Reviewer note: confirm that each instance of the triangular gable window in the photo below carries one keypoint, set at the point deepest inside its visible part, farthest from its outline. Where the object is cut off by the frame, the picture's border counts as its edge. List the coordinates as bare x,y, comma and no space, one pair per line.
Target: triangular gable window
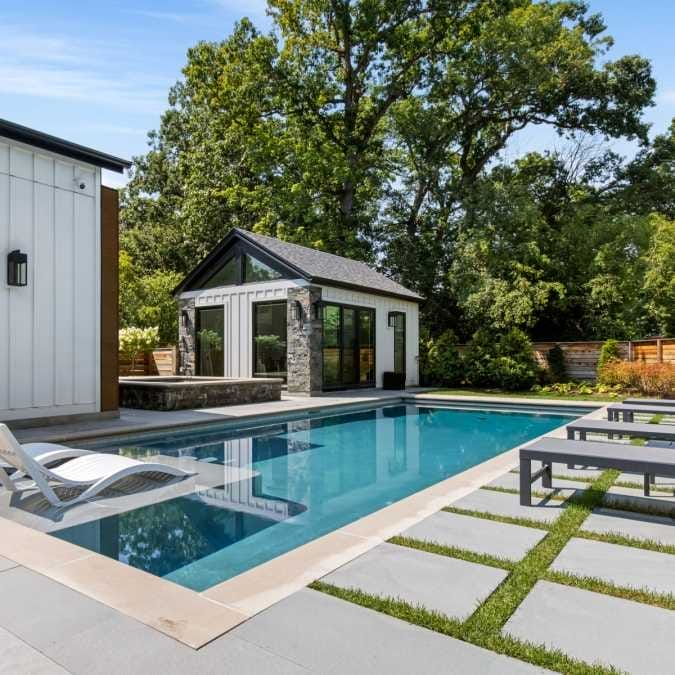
254,270
227,275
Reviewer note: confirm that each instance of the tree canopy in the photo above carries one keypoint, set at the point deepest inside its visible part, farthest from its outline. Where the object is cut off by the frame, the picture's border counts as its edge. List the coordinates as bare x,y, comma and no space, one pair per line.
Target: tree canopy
376,129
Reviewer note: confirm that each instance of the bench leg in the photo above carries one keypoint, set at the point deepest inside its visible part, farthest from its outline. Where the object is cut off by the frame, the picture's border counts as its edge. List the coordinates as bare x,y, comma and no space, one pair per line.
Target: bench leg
525,482
647,485
547,476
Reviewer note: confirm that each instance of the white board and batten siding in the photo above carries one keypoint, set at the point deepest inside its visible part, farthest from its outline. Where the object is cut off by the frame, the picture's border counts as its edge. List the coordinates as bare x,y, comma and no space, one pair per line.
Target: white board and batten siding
384,336
50,329
237,302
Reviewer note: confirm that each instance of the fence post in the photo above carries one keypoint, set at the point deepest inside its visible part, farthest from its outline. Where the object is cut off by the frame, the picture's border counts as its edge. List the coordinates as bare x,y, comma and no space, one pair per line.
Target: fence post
630,350
659,350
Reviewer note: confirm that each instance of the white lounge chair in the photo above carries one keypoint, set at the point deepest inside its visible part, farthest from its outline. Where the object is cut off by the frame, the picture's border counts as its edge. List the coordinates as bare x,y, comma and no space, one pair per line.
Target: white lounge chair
43,453
93,471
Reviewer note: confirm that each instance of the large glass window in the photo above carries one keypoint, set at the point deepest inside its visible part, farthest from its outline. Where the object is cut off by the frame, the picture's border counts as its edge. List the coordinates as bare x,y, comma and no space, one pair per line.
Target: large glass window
254,270
398,319
210,338
348,346
226,276
269,339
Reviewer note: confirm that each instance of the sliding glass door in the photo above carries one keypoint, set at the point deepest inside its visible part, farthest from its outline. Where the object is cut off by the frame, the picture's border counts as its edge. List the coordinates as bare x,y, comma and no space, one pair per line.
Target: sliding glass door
348,347
210,337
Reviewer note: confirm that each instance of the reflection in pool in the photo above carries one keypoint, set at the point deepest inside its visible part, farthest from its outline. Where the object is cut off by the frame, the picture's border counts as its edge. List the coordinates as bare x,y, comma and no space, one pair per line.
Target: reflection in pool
306,478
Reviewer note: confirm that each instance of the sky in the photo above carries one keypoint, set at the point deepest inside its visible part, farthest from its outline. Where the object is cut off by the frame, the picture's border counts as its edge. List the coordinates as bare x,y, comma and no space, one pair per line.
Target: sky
99,73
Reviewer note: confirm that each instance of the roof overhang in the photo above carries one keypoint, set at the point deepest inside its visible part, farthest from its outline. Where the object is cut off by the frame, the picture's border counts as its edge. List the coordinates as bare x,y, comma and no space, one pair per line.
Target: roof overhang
38,139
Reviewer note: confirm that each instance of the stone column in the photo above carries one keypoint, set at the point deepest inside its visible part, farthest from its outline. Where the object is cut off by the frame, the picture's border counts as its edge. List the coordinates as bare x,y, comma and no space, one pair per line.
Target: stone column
187,339
304,338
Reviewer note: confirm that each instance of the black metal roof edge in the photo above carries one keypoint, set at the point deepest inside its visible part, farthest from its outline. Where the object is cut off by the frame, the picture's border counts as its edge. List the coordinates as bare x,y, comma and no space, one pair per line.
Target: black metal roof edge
39,139
219,250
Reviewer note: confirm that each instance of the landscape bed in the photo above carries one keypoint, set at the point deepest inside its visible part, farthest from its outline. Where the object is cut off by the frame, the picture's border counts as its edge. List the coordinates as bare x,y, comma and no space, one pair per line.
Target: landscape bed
302,479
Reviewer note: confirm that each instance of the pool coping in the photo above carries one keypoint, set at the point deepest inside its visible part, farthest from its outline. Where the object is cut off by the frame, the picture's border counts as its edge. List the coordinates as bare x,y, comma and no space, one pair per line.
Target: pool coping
196,618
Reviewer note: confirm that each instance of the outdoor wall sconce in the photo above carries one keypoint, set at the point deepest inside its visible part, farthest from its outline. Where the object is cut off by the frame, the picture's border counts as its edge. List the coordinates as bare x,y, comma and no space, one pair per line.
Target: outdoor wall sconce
296,310
184,317
316,310
17,268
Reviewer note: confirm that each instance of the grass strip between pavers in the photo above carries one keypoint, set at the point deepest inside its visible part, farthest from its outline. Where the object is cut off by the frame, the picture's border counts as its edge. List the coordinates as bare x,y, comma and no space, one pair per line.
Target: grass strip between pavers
643,595
624,540
484,627
553,659
455,552
509,520
535,493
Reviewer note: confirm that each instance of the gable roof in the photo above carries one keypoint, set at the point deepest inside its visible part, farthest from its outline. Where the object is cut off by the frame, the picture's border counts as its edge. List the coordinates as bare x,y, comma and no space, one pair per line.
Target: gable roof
314,266
39,139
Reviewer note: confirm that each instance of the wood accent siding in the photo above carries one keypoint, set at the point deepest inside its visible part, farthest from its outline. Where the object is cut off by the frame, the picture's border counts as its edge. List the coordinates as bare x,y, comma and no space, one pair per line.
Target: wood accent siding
109,298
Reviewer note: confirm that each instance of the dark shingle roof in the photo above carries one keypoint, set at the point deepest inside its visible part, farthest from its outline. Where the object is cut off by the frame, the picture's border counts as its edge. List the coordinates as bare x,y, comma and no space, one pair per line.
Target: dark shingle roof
321,267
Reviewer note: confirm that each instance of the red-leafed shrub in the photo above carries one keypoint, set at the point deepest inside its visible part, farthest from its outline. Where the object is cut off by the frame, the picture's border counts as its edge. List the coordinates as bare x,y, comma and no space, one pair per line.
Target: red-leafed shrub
656,379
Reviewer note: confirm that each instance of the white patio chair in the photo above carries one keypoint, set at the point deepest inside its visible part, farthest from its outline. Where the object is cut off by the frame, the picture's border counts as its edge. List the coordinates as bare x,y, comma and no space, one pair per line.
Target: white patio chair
94,471
43,453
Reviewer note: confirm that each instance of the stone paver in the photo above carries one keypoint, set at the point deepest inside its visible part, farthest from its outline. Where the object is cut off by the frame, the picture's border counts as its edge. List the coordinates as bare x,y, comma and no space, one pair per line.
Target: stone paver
620,565
447,585
633,637
476,534
18,657
502,504
6,564
618,497
639,526
328,635
88,638
561,487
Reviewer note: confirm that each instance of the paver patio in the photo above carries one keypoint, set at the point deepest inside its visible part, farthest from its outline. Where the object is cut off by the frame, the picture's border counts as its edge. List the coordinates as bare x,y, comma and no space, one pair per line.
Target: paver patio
620,565
632,636
439,583
628,524
476,534
502,504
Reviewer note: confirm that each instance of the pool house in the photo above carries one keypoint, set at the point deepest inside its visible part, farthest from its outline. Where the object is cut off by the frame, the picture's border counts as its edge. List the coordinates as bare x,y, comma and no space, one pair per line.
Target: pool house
261,307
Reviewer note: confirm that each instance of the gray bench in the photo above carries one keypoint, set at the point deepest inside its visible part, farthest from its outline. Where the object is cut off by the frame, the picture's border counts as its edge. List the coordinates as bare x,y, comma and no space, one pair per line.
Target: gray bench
627,411
650,401
645,460
664,432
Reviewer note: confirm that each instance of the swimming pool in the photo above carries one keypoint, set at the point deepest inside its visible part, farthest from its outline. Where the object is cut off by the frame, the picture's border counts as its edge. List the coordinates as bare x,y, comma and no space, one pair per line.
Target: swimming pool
288,483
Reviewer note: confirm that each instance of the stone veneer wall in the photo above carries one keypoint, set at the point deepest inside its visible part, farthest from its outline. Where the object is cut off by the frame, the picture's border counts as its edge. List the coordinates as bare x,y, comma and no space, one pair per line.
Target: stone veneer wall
187,347
304,361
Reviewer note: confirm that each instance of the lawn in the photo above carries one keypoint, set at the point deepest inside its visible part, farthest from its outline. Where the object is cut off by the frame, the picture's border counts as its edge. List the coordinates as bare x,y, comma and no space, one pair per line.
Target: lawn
466,391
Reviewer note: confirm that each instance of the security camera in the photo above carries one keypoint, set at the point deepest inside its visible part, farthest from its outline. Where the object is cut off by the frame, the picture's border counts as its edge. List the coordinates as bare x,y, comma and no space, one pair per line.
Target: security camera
80,183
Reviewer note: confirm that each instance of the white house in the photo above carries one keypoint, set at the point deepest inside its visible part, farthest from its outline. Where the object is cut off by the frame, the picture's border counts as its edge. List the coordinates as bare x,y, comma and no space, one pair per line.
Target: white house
58,278
262,307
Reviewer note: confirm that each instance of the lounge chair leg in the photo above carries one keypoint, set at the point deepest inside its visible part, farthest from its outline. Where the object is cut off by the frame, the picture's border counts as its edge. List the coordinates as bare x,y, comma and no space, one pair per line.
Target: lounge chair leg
547,476
525,482
647,485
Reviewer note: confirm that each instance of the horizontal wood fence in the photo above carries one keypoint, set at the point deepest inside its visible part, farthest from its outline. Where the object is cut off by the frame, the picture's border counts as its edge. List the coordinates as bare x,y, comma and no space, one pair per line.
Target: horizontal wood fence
162,361
581,358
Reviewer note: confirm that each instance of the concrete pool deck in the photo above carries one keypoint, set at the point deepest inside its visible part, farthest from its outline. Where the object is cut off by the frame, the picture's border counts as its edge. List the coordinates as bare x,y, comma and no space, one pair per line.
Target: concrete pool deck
197,618
92,618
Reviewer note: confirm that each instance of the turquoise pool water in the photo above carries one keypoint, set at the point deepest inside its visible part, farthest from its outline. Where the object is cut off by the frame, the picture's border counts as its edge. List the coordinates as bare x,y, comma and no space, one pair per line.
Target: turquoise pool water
307,478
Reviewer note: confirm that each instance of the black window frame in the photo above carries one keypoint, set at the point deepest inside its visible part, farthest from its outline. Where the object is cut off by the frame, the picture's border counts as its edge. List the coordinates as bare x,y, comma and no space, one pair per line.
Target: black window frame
197,360
254,309
402,315
357,329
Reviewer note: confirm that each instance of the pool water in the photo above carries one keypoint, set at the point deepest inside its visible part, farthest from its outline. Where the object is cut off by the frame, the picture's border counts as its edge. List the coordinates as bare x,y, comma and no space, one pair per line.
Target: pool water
305,478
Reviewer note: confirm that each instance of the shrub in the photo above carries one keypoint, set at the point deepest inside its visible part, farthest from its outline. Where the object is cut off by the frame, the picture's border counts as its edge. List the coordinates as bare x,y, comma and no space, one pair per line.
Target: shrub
556,364
442,363
608,352
134,341
507,362
656,379
479,359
